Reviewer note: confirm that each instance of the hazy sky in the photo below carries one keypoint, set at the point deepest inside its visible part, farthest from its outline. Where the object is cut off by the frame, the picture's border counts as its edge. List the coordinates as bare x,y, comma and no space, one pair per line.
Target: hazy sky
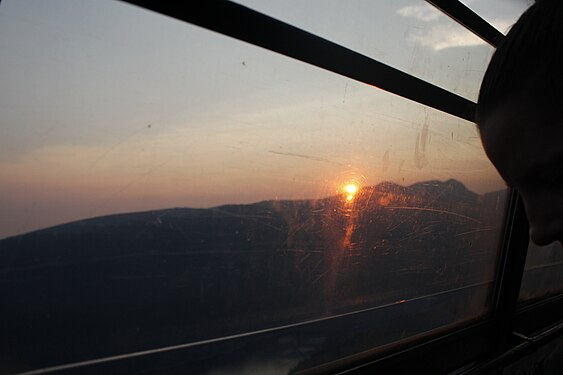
108,108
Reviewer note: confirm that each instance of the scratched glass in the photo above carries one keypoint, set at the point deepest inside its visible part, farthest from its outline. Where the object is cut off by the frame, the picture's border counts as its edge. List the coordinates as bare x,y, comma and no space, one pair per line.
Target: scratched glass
166,187
412,36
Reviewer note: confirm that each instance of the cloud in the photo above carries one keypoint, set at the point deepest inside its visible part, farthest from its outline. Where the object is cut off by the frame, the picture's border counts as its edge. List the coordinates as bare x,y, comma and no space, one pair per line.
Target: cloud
423,12
440,33
440,37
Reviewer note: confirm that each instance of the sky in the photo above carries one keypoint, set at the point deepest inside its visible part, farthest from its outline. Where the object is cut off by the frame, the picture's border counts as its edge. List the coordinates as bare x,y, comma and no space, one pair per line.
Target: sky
109,108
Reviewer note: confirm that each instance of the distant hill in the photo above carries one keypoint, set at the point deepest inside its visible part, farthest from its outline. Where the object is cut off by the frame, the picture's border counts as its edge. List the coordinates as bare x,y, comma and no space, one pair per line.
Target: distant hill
223,228
145,279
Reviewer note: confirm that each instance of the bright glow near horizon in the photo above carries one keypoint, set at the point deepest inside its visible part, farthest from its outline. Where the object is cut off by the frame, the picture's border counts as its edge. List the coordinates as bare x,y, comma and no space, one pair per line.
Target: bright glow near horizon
108,108
350,189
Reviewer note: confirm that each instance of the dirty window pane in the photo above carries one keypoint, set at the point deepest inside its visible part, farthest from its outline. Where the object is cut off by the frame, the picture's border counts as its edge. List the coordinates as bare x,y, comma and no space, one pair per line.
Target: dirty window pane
543,273
502,14
412,36
164,185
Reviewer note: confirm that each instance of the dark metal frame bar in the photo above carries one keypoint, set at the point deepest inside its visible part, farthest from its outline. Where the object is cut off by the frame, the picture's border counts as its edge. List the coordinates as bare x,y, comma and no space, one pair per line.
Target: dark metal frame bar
510,270
470,20
256,28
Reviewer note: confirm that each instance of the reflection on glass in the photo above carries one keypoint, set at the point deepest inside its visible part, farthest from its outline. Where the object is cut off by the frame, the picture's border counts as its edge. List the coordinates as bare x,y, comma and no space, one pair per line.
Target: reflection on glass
502,14
543,273
412,36
164,185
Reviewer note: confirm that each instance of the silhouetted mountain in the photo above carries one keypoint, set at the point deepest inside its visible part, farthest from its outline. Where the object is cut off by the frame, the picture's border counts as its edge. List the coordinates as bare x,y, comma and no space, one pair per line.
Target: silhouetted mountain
146,279
224,228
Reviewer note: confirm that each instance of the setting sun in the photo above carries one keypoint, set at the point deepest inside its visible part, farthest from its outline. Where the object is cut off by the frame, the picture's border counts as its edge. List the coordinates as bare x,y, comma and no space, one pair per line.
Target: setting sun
350,189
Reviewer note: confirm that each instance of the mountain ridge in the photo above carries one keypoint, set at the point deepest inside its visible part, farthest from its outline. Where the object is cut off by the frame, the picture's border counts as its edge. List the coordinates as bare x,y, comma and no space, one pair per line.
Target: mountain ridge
133,281
451,186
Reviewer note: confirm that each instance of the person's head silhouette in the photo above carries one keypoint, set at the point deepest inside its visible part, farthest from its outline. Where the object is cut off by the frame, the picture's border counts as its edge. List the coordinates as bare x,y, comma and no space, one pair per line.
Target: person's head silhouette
520,115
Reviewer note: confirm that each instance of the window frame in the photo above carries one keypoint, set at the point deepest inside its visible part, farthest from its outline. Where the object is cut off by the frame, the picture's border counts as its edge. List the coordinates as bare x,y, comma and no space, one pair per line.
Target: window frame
441,352
495,334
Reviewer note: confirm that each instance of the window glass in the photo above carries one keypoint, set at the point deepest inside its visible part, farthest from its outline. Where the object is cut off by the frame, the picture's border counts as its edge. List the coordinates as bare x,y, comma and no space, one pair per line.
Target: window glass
543,273
412,36
502,14
167,186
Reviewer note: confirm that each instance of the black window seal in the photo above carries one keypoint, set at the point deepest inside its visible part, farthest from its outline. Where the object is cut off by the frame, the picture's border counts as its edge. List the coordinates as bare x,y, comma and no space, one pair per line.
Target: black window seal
466,344
510,270
539,314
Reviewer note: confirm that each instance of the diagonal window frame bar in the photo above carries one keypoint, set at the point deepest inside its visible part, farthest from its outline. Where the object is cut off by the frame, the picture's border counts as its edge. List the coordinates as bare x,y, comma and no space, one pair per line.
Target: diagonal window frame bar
463,15
245,24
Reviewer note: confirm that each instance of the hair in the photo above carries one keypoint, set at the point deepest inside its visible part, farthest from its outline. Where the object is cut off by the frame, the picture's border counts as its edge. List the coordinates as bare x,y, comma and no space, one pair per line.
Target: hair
529,61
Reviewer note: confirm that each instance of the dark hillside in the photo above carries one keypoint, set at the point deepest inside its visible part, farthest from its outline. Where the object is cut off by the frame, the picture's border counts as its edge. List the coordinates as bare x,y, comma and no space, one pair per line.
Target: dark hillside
129,282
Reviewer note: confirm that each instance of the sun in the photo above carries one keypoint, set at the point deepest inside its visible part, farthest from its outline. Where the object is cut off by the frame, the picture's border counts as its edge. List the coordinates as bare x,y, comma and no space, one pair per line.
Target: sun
350,190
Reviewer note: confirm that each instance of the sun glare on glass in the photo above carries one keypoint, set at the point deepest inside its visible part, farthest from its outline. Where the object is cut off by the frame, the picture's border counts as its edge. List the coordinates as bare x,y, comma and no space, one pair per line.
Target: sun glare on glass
350,190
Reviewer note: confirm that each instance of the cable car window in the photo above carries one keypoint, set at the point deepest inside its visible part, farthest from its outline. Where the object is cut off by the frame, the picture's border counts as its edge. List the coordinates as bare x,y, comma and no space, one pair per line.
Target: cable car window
502,14
165,186
412,36
543,273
